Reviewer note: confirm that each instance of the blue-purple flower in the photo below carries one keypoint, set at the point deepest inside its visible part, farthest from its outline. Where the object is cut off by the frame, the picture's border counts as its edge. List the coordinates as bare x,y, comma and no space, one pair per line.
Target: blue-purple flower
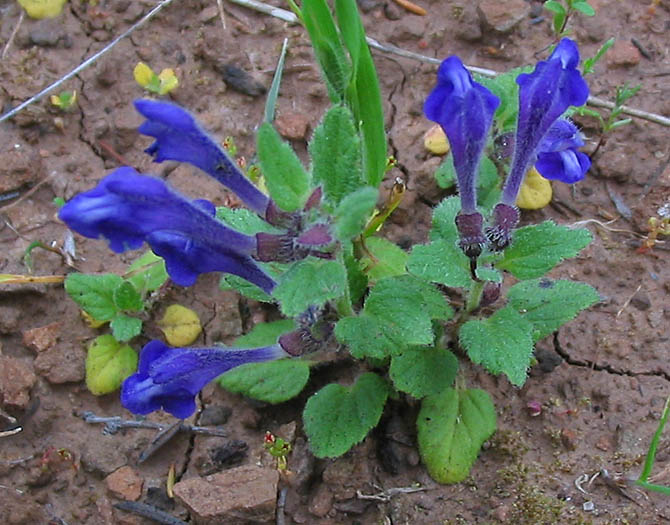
128,209
544,95
179,137
170,378
464,109
558,157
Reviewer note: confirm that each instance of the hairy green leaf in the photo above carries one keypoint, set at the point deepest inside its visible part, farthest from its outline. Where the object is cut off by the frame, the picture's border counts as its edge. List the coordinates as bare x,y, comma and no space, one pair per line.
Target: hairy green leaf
244,221
124,328
265,334
366,336
147,273
440,262
421,371
550,304
286,179
452,426
310,282
126,297
354,211
502,343
444,216
94,293
383,259
336,417
335,150
536,249
272,382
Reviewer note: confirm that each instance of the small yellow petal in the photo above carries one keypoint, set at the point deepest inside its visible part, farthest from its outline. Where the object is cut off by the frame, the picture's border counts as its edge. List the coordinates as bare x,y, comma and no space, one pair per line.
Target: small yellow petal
180,325
436,141
42,8
535,191
143,74
168,81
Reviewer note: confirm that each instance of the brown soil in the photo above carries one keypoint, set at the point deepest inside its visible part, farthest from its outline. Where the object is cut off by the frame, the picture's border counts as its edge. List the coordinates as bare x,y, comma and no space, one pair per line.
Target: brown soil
602,380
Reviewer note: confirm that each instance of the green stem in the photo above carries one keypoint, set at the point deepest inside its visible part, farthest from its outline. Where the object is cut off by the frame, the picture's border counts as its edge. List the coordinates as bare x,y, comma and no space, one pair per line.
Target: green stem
474,296
343,306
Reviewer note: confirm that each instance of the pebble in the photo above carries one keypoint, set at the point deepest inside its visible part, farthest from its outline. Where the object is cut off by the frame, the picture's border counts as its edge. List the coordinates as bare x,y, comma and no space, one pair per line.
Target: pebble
503,17
469,25
238,496
46,33
61,364
19,167
125,484
392,11
616,165
215,415
42,338
16,380
102,456
367,5
623,54
292,125
239,80
641,301
208,14
321,502
9,315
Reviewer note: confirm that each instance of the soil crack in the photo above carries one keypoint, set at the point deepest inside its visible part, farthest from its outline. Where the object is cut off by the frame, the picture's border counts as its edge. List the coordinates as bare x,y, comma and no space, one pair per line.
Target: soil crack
603,368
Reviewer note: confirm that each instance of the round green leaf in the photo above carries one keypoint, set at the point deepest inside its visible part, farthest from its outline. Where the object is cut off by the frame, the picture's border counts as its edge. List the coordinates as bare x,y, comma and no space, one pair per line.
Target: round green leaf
108,363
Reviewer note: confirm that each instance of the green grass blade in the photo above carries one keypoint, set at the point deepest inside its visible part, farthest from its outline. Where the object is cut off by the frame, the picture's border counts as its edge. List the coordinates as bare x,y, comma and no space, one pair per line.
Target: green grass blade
651,454
271,101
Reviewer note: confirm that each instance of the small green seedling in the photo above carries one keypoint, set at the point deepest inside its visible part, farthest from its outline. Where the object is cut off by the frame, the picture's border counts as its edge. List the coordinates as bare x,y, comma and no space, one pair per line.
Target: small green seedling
642,481
65,100
160,84
563,10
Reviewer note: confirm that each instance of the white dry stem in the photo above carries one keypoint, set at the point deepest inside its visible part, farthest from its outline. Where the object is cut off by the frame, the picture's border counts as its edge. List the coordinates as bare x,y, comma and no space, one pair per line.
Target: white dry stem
13,35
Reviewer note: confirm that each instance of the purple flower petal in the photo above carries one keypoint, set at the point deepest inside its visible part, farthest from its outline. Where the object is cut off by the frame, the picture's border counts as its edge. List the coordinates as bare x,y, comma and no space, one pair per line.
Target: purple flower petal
128,208
464,109
558,158
170,378
544,95
179,137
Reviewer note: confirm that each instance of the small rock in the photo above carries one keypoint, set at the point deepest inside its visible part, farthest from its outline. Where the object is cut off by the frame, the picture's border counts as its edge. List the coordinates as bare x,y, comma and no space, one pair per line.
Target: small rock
616,165
42,338
623,54
215,415
9,315
321,502
208,14
469,26
547,359
61,364
16,380
102,456
367,5
125,484
46,33
392,11
503,17
237,496
569,438
641,301
604,444
239,80
19,167
292,125
126,122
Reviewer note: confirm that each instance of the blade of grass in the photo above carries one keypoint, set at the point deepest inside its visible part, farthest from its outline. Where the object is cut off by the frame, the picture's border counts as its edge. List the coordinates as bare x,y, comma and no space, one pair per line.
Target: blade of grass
271,101
651,453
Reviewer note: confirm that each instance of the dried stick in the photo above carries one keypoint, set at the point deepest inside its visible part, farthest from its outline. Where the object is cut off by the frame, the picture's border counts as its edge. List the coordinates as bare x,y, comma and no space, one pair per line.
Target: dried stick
86,62
13,35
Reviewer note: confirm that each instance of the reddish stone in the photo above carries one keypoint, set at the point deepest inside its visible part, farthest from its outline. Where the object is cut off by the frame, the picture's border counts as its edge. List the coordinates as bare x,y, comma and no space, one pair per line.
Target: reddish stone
16,380
503,17
62,364
236,496
42,338
292,126
623,54
125,483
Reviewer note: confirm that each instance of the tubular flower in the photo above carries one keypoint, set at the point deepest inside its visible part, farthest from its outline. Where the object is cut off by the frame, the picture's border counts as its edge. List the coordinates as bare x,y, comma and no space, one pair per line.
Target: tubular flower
128,208
170,378
544,95
558,158
464,109
179,137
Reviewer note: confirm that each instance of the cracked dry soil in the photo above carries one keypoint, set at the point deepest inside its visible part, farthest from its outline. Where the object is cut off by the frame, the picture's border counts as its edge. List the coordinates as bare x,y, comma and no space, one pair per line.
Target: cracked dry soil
602,379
